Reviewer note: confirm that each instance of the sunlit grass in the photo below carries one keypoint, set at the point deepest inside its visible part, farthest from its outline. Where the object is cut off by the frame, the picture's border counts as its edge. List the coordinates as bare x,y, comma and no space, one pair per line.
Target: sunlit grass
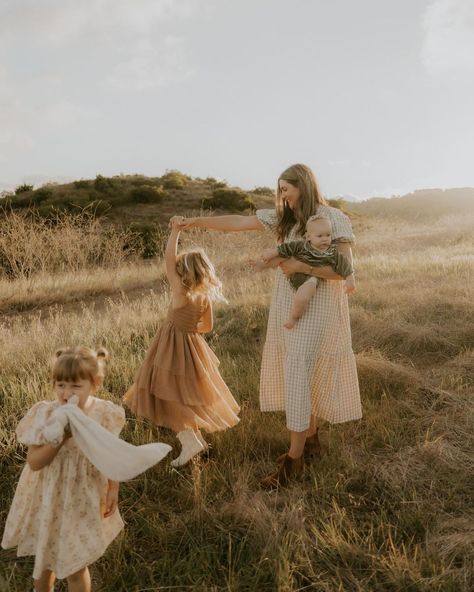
388,508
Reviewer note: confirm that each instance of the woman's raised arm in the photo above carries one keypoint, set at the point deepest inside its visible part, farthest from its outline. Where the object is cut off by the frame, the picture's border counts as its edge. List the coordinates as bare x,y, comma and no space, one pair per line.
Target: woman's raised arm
232,223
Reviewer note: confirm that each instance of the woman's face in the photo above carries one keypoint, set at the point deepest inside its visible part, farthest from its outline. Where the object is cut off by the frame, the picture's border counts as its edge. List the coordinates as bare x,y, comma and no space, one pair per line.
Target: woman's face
289,193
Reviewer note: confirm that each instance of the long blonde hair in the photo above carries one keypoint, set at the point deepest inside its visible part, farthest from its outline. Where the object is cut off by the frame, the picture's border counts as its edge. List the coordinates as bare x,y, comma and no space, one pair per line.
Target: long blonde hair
79,363
198,275
302,177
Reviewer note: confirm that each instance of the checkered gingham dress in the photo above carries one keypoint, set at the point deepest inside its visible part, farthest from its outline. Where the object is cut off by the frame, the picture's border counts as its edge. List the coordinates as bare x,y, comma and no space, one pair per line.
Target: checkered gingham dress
311,369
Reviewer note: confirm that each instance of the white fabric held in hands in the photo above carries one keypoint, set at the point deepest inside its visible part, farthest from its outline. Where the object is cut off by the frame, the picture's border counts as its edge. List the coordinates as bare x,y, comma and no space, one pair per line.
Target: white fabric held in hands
114,458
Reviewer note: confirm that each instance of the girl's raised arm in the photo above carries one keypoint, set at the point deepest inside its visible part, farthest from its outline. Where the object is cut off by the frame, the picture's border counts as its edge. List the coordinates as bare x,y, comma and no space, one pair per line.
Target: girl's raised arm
170,260
232,223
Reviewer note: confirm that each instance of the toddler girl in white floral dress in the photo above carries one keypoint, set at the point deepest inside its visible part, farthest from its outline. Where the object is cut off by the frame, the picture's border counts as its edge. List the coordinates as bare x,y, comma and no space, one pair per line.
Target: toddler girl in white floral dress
64,511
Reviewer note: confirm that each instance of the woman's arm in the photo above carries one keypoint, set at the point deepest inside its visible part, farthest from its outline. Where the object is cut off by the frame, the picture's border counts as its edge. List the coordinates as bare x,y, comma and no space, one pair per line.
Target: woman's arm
346,250
39,457
232,223
292,265
324,272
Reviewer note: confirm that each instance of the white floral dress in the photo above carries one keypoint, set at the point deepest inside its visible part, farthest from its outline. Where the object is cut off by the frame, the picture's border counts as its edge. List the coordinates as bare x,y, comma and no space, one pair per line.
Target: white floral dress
57,512
311,369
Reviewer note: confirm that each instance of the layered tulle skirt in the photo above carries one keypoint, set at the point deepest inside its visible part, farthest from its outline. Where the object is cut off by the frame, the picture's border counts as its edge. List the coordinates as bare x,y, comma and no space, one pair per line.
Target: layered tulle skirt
179,386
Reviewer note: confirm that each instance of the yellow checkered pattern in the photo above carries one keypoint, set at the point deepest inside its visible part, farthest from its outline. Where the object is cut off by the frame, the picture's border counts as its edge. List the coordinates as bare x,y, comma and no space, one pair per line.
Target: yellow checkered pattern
311,369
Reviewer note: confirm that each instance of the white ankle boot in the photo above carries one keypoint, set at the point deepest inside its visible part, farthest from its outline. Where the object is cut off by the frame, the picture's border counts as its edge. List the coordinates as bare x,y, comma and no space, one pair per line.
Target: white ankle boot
191,445
201,439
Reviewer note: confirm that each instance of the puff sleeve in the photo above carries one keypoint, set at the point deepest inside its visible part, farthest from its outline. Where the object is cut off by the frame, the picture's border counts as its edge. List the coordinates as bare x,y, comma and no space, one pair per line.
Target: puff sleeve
341,227
30,429
113,417
268,219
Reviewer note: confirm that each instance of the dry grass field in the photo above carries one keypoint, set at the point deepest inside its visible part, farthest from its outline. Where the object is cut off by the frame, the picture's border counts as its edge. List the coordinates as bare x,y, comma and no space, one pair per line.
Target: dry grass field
388,508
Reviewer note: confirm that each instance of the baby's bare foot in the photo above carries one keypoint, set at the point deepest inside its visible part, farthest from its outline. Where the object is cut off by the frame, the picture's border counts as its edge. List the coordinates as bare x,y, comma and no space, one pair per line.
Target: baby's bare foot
290,323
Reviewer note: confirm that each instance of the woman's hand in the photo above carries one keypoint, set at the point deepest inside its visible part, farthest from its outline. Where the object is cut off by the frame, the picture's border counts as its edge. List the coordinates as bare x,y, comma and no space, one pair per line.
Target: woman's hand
292,265
350,287
111,499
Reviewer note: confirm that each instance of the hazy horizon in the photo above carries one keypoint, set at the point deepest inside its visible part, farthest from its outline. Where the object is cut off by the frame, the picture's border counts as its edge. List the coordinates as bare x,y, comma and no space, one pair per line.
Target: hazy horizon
375,97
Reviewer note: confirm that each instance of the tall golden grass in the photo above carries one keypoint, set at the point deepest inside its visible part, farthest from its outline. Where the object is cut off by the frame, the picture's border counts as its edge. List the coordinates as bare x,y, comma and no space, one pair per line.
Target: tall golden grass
389,507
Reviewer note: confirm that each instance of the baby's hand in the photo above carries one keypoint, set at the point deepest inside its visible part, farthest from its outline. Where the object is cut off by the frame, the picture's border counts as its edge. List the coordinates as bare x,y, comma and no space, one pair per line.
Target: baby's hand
350,285
258,265
268,254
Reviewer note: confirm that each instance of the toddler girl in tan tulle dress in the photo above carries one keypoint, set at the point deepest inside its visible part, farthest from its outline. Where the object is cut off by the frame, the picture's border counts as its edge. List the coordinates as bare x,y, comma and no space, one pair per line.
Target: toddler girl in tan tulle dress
179,386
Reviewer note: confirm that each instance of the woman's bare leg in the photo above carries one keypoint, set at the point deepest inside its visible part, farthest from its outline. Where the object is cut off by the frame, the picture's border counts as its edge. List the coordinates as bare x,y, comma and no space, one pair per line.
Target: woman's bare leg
313,426
297,440
79,581
45,582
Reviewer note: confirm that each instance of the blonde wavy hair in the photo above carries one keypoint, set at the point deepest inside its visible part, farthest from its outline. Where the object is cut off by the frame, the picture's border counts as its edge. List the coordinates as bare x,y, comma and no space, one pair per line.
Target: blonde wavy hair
198,275
302,177
80,363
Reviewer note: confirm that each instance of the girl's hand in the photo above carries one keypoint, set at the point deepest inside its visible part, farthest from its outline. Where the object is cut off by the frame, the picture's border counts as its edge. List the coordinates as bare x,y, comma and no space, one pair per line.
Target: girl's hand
111,499
180,222
175,222
292,265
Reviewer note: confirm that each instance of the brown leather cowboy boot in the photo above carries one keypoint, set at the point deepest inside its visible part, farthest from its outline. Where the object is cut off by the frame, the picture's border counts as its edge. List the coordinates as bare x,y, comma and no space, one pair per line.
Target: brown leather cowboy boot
289,470
312,447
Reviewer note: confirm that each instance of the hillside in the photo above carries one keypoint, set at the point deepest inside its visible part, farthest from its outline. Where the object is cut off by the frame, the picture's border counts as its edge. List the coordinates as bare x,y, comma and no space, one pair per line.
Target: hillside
141,202
423,204
128,200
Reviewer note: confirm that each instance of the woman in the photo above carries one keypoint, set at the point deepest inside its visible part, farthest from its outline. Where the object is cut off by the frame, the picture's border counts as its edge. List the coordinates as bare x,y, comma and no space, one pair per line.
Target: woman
310,371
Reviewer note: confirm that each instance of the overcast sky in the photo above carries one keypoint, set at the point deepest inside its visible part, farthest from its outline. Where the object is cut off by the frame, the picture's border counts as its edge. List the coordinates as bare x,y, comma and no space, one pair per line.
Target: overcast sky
375,95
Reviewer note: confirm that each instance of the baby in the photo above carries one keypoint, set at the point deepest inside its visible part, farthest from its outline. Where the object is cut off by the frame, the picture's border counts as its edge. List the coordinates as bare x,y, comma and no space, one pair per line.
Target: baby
317,250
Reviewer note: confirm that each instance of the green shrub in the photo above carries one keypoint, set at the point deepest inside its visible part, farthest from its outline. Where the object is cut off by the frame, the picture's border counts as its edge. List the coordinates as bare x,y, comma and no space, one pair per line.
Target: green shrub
150,239
20,201
173,180
104,184
23,188
229,199
338,203
83,183
45,211
138,180
146,194
99,207
263,191
41,194
214,183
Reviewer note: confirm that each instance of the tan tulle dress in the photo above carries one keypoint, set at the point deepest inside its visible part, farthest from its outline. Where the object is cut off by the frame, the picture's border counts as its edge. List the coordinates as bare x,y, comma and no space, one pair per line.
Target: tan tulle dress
179,385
